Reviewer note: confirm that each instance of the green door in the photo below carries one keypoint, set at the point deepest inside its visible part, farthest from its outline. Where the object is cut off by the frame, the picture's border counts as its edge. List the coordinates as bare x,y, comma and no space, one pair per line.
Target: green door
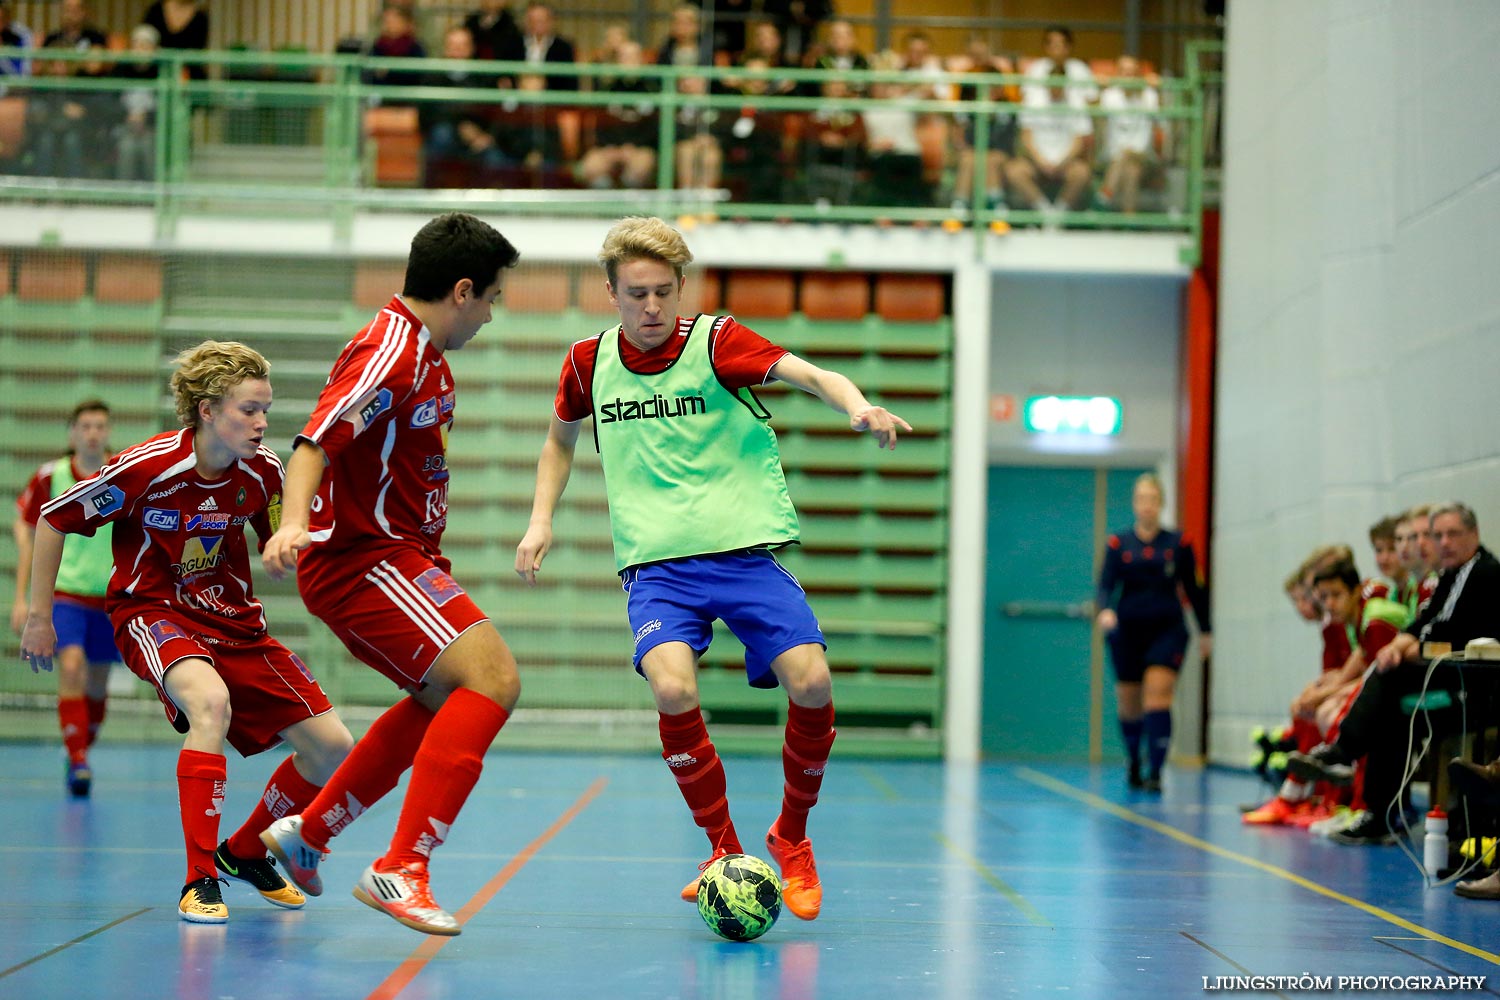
1047,691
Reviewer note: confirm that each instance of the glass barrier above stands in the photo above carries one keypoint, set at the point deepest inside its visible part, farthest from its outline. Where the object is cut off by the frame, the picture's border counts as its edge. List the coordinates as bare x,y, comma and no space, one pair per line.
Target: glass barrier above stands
336,133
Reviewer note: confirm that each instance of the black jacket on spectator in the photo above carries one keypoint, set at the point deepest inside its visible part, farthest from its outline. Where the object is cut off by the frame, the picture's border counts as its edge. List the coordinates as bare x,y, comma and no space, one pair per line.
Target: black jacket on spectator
1466,605
194,35
559,51
1475,607
492,38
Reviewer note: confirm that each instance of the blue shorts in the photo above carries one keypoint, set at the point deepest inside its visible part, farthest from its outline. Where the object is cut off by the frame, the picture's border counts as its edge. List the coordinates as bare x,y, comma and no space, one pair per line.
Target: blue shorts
763,605
81,625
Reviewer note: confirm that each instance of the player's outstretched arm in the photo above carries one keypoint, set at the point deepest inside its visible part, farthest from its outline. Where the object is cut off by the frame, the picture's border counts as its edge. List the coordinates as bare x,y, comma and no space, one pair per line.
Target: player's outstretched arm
552,472
38,638
304,473
843,395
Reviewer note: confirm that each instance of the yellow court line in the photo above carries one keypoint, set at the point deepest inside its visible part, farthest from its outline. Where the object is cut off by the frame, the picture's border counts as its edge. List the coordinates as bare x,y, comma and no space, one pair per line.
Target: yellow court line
1003,887
1104,805
881,785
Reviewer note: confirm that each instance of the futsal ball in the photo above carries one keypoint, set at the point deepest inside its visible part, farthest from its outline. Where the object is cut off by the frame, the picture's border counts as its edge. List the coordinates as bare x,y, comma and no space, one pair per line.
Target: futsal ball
739,897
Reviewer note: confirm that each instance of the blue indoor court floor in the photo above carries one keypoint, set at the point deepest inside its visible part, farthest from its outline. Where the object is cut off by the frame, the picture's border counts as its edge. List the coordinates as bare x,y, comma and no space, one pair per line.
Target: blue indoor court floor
942,882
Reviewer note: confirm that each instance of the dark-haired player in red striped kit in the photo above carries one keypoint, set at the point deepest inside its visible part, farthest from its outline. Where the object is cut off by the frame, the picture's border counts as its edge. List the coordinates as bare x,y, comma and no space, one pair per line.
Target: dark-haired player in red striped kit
366,504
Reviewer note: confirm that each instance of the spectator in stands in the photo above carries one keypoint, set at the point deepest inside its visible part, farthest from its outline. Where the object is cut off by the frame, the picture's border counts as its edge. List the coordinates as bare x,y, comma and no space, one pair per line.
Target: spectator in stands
529,135
765,51
616,37
135,134
1001,142
625,131
75,31
1058,60
686,43
180,24
65,128
452,130
1051,170
699,157
834,148
919,59
397,40
839,53
1129,136
540,45
797,25
752,141
13,36
727,27
1466,605
493,28
895,152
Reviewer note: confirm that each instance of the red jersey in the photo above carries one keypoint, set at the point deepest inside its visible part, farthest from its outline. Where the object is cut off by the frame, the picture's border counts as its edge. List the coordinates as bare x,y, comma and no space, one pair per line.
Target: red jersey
179,539
383,421
29,509
741,357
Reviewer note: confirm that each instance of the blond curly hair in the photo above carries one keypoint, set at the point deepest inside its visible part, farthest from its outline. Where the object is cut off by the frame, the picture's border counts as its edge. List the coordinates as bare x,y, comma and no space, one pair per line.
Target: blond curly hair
209,371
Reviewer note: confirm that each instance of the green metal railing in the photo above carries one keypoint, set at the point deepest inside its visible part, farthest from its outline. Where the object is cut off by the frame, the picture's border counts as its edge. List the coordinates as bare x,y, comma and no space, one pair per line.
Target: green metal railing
339,95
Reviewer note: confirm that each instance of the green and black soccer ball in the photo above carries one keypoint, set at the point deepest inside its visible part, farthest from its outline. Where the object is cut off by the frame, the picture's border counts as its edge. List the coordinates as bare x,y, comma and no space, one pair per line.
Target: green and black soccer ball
739,897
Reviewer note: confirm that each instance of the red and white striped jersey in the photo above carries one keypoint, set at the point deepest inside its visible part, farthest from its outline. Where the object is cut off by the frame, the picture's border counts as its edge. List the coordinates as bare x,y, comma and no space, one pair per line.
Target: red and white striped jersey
383,420
179,539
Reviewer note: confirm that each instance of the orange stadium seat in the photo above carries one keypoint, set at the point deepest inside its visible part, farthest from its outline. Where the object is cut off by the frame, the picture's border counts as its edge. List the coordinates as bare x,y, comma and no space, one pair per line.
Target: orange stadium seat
909,298
593,297
844,295
704,293
127,279
397,140
538,290
4,275
760,294
52,277
12,127
375,281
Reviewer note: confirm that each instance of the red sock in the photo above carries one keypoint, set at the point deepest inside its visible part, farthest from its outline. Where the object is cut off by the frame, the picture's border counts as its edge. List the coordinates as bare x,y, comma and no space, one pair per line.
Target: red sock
695,764
73,717
809,737
372,769
200,797
286,793
443,774
96,715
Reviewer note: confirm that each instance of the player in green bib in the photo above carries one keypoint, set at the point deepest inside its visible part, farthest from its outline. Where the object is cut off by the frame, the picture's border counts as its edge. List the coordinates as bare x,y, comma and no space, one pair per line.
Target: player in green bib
85,638
697,504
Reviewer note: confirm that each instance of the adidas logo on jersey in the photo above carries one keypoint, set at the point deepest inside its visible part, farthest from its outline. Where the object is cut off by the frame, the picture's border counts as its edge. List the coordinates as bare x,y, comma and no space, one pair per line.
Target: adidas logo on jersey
208,504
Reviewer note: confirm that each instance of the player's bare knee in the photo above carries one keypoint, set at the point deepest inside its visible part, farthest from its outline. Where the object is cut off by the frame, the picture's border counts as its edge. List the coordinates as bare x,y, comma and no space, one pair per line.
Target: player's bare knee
812,689
674,694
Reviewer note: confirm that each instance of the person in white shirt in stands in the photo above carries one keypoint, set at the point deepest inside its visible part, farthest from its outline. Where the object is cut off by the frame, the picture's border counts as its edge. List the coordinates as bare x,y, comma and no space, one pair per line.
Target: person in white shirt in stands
1129,145
1051,169
1057,43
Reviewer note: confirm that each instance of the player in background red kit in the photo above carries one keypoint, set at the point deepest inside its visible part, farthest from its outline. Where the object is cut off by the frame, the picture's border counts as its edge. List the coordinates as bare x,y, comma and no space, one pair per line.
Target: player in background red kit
366,504
186,620
85,640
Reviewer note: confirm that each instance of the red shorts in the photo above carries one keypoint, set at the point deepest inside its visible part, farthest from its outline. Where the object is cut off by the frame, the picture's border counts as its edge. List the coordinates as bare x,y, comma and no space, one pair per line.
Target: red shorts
397,614
270,688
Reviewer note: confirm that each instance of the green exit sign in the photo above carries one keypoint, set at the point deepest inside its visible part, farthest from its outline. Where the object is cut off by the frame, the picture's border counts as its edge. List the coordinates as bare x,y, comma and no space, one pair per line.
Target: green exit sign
1094,415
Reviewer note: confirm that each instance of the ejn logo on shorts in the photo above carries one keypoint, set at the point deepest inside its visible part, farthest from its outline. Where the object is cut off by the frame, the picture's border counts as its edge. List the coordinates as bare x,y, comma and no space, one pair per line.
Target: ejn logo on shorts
647,629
